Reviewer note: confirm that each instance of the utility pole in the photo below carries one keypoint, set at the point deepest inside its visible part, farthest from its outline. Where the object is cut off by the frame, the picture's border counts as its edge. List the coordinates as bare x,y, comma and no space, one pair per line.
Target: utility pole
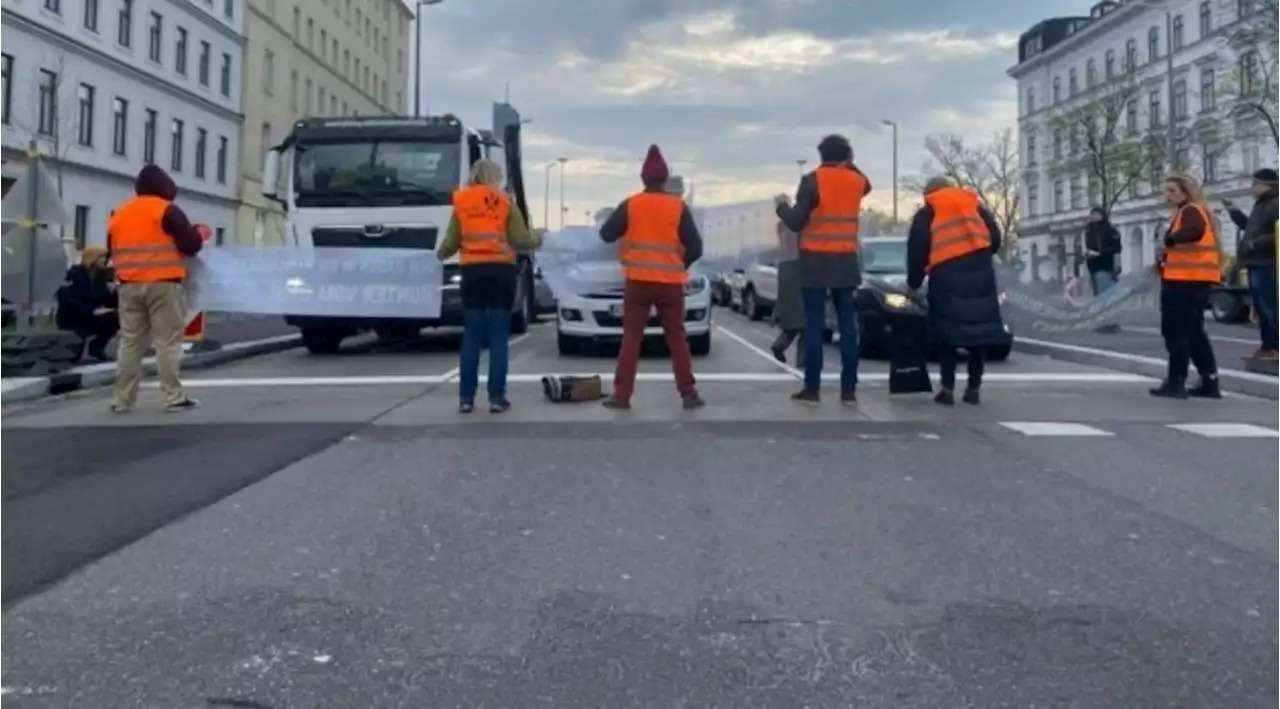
800,166
562,161
546,195
417,55
894,125
1170,153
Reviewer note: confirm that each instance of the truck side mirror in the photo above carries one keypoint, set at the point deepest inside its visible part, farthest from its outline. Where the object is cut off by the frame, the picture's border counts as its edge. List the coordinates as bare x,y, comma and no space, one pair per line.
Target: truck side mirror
271,174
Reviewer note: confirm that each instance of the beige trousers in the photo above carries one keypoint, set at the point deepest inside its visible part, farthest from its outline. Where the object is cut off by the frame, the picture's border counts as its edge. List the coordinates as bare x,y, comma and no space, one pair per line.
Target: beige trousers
150,314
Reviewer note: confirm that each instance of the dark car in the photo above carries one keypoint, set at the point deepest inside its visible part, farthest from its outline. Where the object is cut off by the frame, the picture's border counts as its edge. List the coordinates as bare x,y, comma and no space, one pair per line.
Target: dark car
883,297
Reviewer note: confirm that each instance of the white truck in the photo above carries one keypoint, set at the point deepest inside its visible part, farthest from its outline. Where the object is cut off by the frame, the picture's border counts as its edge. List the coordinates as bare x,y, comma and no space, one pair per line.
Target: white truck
388,182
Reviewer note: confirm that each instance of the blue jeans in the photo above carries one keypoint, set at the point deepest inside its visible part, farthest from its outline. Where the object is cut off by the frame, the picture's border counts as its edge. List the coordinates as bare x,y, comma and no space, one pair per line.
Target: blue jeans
815,322
481,324
1102,280
1262,286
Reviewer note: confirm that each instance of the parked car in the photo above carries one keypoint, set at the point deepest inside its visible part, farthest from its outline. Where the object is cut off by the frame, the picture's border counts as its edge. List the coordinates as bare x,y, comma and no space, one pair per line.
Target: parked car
596,318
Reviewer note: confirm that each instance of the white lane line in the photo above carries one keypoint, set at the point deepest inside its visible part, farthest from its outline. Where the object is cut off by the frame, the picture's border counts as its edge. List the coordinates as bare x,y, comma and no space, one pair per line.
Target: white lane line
1053,428
1156,331
768,356
1139,359
1226,430
728,377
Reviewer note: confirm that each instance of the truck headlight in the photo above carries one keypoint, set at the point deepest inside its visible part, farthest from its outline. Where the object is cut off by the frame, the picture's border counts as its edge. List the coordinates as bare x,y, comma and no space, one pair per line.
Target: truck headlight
897,301
695,286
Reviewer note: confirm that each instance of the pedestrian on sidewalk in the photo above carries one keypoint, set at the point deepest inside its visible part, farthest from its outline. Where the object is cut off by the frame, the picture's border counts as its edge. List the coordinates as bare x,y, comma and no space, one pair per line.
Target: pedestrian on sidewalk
486,232
1190,267
1101,247
827,207
953,240
147,238
658,241
788,310
1256,252
88,304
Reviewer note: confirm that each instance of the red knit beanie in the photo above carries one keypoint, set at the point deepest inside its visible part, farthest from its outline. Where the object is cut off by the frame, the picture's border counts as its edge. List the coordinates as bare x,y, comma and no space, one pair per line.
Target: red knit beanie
655,168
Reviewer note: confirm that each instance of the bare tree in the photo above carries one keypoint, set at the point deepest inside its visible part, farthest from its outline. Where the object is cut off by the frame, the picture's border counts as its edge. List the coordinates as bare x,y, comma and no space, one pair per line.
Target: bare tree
49,116
1251,89
990,169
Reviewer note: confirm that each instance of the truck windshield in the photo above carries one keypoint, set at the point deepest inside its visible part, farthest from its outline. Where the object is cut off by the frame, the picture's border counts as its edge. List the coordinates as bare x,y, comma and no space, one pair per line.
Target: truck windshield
374,173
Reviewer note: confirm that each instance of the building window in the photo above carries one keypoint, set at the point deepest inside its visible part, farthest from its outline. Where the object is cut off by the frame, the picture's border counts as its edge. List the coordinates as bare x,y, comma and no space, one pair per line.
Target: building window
120,126
81,229
1058,205
124,24
1153,44
48,106
333,104
202,151
180,53
219,236
324,45
91,15
1131,55
175,155
154,37
1073,85
1090,73
311,33
293,90
384,92
1179,104
1153,108
1077,192
346,109
265,143
1033,199
1073,139
1206,19
334,56
346,62
297,23
54,6
268,72
1131,116
1182,158
1110,63
228,9
85,96
224,79
1057,89
1248,72
202,65
306,98
1209,164
7,89
149,136
1179,32
1208,90
320,99
1057,144
1244,8
1031,151
222,160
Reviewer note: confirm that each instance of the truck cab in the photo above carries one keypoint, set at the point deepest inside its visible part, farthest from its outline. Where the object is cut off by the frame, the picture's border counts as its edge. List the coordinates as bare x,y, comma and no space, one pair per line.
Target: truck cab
388,182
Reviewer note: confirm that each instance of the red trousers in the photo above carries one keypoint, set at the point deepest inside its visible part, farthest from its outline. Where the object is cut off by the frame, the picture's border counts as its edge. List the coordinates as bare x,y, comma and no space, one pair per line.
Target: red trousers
638,297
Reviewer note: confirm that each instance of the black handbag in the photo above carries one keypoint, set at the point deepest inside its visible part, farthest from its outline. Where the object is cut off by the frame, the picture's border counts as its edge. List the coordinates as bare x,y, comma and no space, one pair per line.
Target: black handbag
909,355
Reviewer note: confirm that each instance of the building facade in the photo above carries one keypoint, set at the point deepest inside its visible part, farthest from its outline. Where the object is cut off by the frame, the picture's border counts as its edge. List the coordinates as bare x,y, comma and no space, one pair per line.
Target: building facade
106,86
313,58
1111,102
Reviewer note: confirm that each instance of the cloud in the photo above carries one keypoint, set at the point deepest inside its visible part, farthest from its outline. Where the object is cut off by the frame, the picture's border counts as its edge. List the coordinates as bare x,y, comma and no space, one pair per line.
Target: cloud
734,91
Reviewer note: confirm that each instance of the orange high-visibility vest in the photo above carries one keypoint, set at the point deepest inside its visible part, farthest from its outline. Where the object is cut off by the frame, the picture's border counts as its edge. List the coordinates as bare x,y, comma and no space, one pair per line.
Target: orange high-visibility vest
957,228
482,214
833,224
141,251
1193,262
651,250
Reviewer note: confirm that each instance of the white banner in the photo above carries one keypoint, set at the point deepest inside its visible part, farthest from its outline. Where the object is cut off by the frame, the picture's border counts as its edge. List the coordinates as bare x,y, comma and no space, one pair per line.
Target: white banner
575,262
342,282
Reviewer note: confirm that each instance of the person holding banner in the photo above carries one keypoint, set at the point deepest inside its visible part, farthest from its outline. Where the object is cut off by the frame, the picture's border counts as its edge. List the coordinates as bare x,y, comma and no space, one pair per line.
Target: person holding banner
1190,267
658,240
1256,251
148,238
952,240
486,232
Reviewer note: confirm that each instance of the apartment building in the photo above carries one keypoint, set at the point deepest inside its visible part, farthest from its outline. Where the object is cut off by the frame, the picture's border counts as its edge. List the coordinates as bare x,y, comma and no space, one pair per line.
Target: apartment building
1147,75
106,86
313,58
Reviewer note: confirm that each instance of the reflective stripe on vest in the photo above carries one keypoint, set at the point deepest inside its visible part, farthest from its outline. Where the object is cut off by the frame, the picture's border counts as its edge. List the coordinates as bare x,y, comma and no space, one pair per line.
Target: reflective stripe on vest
1197,261
957,229
650,250
141,251
482,214
833,225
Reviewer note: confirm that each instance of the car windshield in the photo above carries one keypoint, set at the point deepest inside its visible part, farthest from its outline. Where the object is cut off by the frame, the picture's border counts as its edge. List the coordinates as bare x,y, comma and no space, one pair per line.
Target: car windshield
884,257
376,173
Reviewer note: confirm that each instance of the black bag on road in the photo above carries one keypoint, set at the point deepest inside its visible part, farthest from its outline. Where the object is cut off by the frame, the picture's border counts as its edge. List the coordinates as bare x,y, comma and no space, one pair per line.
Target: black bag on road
909,355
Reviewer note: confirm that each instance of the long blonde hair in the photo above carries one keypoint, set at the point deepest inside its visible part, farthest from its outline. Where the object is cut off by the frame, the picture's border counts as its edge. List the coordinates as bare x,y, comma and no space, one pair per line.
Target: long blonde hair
1191,187
486,172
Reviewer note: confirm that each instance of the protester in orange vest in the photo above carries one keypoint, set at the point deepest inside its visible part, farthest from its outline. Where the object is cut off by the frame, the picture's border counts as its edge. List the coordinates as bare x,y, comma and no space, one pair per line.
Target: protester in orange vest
657,242
951,240
1190,267
486,230
148,237
825,214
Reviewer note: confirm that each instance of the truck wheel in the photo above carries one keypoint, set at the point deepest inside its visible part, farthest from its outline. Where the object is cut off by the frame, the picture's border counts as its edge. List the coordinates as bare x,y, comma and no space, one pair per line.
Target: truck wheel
322,340
1228,308
700,345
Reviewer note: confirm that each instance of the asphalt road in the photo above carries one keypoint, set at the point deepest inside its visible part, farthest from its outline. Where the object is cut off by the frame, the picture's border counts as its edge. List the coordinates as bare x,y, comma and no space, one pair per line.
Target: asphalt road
227,328
329,532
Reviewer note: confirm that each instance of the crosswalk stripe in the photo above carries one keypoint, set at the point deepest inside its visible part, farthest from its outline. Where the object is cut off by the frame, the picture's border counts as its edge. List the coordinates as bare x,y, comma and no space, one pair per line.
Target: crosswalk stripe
1226,430
1053,428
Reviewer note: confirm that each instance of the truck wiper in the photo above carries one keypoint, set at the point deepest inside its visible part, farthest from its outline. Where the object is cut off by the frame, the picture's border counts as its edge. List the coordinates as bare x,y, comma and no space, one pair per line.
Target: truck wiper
437,194
341,192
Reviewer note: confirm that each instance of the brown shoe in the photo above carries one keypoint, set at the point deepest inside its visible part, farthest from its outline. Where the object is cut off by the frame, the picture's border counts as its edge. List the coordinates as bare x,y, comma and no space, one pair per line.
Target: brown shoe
692,401
612,402
807,396
1267,354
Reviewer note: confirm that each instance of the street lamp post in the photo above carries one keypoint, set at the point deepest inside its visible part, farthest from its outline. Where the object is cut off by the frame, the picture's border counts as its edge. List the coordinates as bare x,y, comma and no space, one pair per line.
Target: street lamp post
417,54
800,166
546,194
1170,153
562,161
894,126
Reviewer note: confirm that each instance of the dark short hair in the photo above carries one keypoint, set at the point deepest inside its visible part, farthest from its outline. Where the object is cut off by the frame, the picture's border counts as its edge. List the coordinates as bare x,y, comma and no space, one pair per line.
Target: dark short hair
835,148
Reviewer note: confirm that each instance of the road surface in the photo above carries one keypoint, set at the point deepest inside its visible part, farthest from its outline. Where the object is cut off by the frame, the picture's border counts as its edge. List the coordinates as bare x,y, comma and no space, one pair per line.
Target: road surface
330,532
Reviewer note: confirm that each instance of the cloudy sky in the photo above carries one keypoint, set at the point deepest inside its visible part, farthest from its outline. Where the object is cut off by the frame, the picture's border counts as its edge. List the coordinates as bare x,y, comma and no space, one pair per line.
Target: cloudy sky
733,91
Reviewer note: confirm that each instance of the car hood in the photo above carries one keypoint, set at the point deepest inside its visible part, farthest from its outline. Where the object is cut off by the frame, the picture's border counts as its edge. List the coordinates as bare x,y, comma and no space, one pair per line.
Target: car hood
887,282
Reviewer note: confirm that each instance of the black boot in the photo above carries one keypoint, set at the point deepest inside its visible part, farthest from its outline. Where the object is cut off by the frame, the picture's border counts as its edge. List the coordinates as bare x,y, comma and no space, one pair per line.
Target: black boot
971,396
1208,388
1171,389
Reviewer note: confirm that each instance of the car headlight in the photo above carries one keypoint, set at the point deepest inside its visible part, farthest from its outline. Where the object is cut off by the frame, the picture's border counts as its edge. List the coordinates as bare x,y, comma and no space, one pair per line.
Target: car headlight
455,279
1003,297
695,286
897,301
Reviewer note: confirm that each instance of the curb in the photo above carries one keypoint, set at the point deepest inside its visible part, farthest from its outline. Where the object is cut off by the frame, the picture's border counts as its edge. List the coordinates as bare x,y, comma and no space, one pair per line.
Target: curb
1234,380
30,388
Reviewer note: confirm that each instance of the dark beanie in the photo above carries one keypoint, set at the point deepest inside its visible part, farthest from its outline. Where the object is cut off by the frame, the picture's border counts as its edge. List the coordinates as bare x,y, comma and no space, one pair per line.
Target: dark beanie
655,168
1267,175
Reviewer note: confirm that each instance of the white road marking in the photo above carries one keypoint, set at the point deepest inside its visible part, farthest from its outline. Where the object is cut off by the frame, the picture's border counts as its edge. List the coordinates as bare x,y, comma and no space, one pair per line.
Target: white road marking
795,373
1140,359
1221,338
1226,430
1053,428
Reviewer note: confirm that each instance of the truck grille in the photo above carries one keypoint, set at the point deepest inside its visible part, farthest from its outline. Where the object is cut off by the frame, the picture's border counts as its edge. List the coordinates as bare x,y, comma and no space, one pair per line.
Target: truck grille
396,237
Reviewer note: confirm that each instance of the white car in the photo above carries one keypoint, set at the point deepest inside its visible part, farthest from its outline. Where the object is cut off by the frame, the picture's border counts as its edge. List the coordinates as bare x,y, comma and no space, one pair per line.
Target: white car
596,317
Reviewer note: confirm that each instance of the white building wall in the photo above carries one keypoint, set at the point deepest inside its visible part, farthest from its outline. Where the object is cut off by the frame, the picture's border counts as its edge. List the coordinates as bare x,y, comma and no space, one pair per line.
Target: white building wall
1141,219
99,176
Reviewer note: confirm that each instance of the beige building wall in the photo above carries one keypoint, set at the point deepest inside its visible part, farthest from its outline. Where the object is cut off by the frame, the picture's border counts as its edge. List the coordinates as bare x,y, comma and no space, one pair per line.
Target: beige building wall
308,58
